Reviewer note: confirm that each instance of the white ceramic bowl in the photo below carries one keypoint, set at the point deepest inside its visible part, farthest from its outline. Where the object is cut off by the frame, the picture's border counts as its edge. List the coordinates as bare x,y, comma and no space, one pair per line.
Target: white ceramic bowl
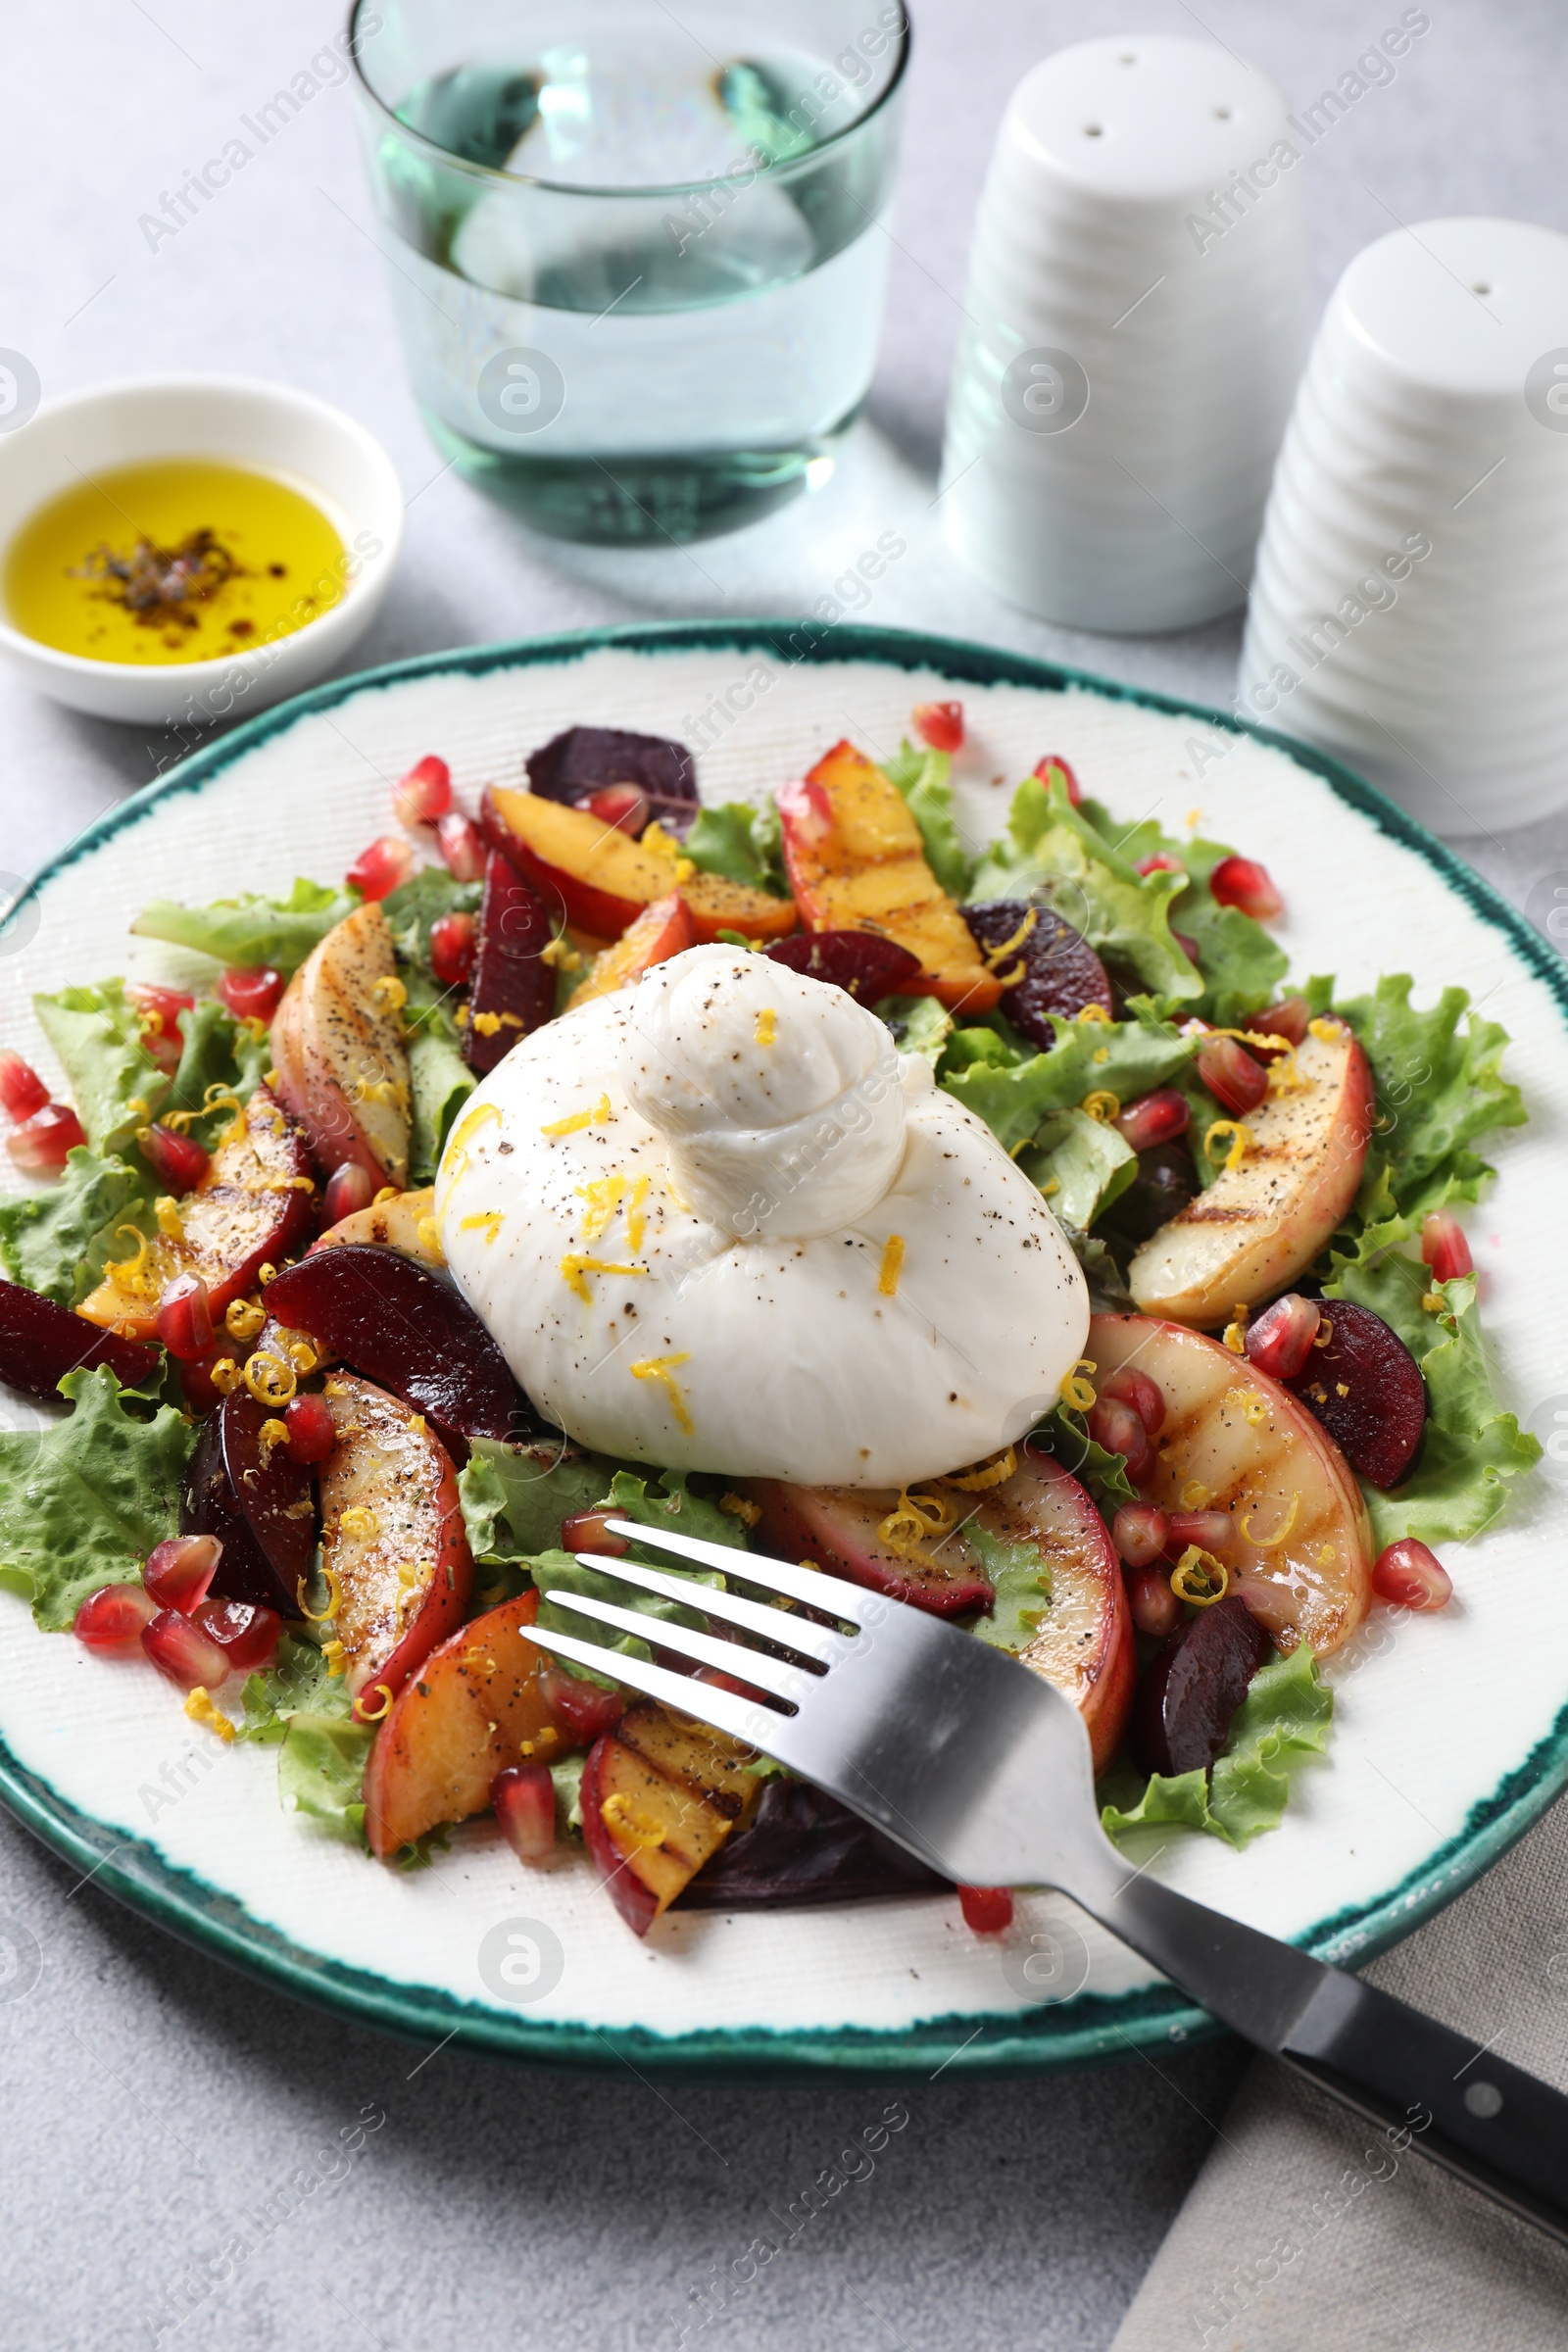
238,420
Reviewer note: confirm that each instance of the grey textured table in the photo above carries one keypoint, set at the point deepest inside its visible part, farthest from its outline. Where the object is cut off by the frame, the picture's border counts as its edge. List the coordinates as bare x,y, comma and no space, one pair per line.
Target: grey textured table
159,2110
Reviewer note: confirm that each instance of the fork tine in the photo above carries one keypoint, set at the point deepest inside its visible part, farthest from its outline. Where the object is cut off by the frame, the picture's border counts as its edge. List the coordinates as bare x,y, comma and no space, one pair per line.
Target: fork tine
819,1590
741,1718
779,1677
782,1625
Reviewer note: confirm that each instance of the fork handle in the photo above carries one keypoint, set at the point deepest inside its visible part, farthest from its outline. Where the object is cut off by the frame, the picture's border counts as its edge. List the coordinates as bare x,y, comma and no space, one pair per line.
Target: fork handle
1503,2130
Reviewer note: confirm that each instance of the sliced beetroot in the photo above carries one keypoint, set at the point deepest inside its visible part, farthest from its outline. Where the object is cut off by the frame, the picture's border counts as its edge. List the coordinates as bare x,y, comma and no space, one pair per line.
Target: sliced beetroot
860,963
802,1846
514,988
583,760
1366,1389
1058,971
405,1328
257,1500
1165,1182
1192,1686
41,1342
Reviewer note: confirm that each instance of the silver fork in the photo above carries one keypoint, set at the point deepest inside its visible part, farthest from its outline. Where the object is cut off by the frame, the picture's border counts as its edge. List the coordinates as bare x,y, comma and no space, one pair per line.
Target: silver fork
981,1769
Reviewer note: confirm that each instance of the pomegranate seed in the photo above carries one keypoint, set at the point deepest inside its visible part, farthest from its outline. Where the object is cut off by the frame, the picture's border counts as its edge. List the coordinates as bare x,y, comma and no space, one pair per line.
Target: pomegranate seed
623,806
245,1631
1242,882
348,1190
176,1159
185,1318
21,1090
1050,767
1155,1607
1443,1247
1281,1341
1140,1534
196,1379
254,993
524,1799
940,724
581,1711
179,1572
426,792
41,1144
462,845
112,1617
1236,1081
1288,1020
586,1530
160,1010
1162,862
986,1910
312,1430
1210,1531
453,944
1146,1396
1119,1428
378,870
1412,1576
1154,1118
180,1649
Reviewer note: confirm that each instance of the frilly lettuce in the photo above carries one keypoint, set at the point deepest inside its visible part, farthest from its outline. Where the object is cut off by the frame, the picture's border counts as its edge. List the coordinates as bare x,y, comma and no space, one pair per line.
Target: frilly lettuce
59,1240
251,930
921,775
1241,965
1012,1091
1281,1722
741,844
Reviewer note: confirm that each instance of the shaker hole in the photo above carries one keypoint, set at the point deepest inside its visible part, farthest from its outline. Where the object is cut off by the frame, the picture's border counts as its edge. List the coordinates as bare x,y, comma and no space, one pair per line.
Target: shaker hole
1129,60
1093,130
1481,287
1222,114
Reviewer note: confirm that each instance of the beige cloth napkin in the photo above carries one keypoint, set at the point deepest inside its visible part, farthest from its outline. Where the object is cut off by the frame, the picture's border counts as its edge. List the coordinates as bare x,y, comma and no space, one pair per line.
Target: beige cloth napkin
1305,2232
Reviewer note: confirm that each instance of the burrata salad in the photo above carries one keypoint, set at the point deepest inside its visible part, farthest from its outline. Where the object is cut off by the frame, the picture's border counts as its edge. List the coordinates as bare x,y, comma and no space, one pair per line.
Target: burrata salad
999,1228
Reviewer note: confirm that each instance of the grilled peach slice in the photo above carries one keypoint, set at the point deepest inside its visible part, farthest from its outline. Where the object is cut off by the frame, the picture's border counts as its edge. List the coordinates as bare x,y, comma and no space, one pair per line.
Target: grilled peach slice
251,1207
660,1796
1080,1634
475,1706
718,904
1263,1222
337,1047
595,875
1235,1440
855,862
661,931
394,1540
394,1224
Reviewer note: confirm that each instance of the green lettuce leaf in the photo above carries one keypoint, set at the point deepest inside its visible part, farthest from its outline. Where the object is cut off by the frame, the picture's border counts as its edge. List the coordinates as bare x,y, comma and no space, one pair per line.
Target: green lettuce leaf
421,901
677,1506
440,1082
1471,1449
562,1571
920,777
114,1081
321,1772
1241,964
513,1497
1282,1722
1125,1058
1052,848
215,1050
1066,1436
297,1682
919,1025
742,844
1021,1576
84,1501
251,930
59,1240
567,1775
1081,1165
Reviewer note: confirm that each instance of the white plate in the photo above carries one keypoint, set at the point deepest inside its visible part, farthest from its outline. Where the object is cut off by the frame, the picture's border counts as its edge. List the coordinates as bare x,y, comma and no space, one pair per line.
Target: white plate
1450,1733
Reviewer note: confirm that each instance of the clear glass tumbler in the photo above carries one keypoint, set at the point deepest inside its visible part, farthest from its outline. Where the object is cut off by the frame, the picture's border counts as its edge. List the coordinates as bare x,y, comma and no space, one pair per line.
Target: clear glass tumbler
637,258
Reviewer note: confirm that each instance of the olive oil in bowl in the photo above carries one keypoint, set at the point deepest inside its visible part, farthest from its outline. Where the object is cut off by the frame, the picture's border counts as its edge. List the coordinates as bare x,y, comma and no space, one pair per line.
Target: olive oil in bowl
175,560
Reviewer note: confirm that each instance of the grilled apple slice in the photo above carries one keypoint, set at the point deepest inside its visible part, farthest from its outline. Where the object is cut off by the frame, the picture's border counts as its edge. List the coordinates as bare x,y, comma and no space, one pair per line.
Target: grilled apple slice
474,1707
252,1207
337,1047
1079,1632
394,1224
855,862
1235,1440
660,1796
394,1540
1263,1222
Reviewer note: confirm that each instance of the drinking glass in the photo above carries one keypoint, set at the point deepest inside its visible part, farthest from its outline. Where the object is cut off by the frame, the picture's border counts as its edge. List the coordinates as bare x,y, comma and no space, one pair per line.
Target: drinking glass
637,258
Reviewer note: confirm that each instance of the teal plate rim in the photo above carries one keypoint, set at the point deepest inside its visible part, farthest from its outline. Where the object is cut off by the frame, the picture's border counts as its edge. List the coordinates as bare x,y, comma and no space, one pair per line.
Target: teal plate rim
1090,2028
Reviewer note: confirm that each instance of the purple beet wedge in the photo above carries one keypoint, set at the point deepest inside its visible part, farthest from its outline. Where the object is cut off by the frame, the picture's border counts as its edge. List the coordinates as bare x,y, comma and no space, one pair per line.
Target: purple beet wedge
1048,969
257,1500
858,961
1366,1389
41,1342
1192,1686
514,988
583,761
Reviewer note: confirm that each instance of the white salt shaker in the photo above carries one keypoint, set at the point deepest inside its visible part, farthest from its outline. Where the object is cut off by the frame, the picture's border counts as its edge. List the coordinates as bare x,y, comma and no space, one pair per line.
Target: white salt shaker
1410,610
1137,315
